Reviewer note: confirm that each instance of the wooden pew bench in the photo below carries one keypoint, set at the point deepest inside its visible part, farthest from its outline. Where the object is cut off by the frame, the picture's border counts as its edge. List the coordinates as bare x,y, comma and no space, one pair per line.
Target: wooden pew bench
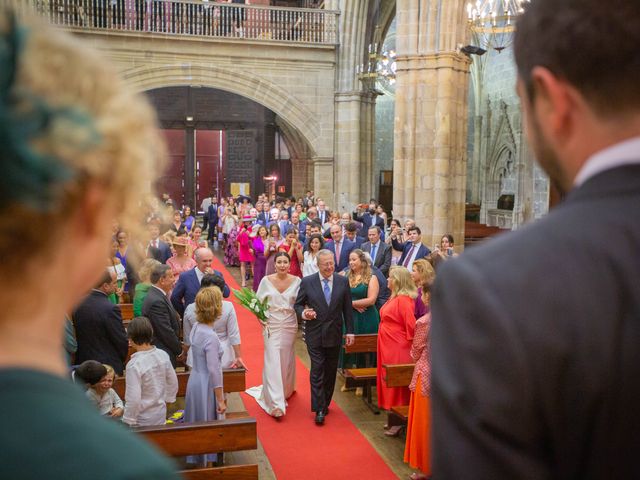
219,436
365,377
233,379
398,376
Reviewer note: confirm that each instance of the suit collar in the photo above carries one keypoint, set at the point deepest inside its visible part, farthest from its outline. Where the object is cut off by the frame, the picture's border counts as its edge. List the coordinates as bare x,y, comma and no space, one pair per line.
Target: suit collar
617,181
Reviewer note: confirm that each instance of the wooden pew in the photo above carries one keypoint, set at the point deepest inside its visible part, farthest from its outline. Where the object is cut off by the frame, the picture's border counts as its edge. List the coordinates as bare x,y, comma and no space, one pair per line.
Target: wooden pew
398,376
126,310
364,343
219,436
233,379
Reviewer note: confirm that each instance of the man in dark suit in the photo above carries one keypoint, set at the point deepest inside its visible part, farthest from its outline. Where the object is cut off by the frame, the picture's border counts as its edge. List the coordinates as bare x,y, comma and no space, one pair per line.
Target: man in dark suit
211,219
370,219
99,331
323,213
535,335
157,248
379,251
163,317
351,233
412,249
340,247
188,283
324,302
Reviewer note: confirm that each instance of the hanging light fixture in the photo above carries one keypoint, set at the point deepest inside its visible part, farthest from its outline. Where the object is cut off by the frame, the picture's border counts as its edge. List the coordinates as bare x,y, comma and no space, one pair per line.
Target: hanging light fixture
492,22
380,67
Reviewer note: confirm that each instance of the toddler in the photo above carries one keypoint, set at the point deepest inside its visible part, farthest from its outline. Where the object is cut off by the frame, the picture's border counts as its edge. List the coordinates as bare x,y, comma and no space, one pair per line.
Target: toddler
105,397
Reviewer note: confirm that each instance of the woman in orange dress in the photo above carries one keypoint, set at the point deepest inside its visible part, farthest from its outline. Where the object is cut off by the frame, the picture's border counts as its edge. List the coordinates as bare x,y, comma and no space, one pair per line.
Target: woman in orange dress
395,334
417,450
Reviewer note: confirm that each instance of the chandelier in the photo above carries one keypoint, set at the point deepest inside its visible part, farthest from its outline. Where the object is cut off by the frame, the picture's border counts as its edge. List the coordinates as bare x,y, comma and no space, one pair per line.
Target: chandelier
380,67
492,21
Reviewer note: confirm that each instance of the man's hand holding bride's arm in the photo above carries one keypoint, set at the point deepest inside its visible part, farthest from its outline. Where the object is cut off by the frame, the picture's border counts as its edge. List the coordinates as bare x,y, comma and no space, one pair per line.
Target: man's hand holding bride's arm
309,314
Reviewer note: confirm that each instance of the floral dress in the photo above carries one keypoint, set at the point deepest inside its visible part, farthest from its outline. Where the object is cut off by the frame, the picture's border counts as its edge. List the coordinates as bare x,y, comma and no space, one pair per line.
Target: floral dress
231,258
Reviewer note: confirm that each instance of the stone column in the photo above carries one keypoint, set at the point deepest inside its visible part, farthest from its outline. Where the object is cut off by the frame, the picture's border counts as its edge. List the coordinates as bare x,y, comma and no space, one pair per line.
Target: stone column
300,176
430,131
190,167
323,169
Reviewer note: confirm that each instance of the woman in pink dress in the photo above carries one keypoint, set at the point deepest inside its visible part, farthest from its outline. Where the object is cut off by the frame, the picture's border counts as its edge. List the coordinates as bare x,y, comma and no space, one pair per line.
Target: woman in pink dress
395,335
244,247
181,261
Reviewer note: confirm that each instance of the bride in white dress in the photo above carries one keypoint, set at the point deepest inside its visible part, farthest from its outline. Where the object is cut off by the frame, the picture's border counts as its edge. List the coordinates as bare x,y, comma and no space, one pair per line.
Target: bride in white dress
279,373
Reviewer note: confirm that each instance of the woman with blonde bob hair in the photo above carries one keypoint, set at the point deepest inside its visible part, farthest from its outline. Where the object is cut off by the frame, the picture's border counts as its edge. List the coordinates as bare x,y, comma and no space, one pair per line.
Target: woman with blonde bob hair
204,399
423,276
395,335
79,151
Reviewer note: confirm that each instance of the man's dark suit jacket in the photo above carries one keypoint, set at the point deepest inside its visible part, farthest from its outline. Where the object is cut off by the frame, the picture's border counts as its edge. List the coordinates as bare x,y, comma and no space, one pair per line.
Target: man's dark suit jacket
186,288
99,332
326,330
165,322
535,344
405,248
161,254
383,256
367,219
346,248
211,216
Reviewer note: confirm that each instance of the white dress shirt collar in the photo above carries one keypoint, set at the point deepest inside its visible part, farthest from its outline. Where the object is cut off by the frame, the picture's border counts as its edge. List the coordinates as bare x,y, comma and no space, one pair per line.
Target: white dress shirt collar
623,153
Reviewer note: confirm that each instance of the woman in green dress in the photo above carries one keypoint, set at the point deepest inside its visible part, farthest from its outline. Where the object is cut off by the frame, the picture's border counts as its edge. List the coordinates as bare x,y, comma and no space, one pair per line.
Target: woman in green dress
143,287
364,292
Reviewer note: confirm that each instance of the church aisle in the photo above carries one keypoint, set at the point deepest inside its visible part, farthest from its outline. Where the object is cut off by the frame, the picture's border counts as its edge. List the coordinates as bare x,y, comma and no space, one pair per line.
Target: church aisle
295,446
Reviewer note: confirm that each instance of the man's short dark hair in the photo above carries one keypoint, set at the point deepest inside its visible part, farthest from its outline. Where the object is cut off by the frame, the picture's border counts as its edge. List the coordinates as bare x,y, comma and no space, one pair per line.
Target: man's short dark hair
157,272
105,278
591,44
140,331
376,228
351,227
90,371
315,224
212,280
414,228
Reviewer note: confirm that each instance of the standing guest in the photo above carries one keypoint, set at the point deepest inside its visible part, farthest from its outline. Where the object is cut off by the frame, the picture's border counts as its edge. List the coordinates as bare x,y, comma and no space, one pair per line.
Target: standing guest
196,242
292,247
244,248
446,249
310,259
364,292
71,133
188,284
412,249
231,257
121,275
279,372
104,396
379,251
324,303
176,223
204,400
211,220
260,244
226,327
340,247
151,379
397,325
370,218
204,207
157,248
275,240
323,213
229,221
181,261
351,233
123,254
98,324
382,214
188,219
396,234
163,317
417,450
295,223
422,274
535,334
142,288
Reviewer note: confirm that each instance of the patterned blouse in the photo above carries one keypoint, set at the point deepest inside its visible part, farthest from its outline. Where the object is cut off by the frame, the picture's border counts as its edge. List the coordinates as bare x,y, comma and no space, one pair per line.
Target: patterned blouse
421,353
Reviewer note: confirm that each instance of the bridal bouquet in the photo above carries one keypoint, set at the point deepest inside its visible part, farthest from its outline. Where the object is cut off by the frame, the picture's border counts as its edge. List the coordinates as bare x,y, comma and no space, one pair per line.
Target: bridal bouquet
249,300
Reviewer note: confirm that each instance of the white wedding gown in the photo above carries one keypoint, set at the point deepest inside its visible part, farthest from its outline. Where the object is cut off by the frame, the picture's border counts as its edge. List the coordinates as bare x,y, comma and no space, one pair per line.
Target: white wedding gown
279,372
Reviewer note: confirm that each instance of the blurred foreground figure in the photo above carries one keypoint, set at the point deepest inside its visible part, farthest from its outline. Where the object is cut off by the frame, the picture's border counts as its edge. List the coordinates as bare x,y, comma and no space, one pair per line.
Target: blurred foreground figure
535,346
76,151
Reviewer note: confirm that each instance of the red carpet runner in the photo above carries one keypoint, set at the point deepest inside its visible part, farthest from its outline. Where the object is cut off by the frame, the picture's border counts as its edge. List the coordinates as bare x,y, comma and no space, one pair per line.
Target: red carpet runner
295,446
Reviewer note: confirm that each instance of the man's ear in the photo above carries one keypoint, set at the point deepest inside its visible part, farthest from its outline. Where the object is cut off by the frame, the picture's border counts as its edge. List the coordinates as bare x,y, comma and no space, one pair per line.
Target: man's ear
554,102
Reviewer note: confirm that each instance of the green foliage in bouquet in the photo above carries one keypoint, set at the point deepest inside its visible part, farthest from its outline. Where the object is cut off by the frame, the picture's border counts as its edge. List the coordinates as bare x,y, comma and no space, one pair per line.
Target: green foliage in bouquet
249,300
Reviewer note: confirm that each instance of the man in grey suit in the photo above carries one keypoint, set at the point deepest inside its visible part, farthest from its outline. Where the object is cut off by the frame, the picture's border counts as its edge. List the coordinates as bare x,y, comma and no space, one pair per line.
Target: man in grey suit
324,302
535,336
379,251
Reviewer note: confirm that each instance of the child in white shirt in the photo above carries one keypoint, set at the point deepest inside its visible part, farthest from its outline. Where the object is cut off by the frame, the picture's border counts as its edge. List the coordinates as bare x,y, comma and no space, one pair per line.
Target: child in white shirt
151,379
105,397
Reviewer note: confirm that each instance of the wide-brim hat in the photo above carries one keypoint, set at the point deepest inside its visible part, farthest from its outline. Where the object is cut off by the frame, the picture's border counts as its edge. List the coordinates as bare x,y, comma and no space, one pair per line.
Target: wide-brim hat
180,241
247,218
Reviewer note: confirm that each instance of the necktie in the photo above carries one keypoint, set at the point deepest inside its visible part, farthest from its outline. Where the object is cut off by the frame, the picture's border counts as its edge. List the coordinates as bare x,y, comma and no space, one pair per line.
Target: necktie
373,253
337,252
327,291
155,243
408,257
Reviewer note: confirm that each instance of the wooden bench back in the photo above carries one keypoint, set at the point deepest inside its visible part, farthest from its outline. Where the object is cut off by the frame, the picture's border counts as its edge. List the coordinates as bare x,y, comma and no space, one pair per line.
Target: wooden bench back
126,310
233,472
398,375
233,380
364,343
179,440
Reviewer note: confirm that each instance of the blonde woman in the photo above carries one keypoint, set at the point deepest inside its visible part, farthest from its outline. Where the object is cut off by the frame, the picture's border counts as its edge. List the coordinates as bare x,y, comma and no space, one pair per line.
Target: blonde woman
422,274
395,334
79,150
204,399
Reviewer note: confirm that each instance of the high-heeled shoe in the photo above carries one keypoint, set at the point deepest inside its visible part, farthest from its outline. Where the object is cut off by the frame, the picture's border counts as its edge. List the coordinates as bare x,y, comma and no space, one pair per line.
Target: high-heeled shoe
393,431
277,413
419,476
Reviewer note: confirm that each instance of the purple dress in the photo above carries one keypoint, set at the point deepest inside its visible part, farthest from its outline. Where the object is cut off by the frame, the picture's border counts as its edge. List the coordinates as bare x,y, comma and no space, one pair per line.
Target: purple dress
420,309
259,264
206,374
